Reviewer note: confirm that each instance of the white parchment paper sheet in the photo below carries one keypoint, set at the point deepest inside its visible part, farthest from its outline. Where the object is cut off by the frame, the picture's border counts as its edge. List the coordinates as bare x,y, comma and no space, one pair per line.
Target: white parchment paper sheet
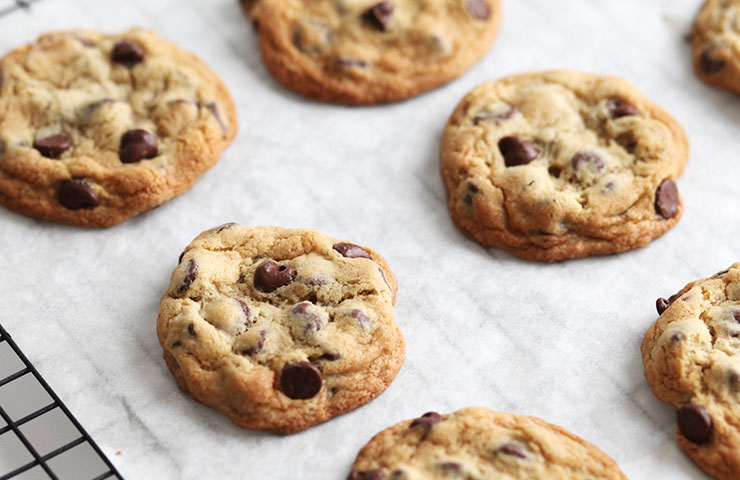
482,328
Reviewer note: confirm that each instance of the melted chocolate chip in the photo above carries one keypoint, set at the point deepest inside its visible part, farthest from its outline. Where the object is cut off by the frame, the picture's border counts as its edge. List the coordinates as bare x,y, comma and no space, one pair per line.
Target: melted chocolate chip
661,304
486,115
189,276
213,108
179,259
379,15
666,199
96,105
53,145
382,274
350,250
255,349
76,193
310,320
366,475
479,9
710,64
191,330
246,311
348,62
225,226
137,145
517,151
427,421
300,380
513,449
590,158
450,467
619,107
678,337
359,317
733,378
270,276
694,422
128,53
736,315
177,344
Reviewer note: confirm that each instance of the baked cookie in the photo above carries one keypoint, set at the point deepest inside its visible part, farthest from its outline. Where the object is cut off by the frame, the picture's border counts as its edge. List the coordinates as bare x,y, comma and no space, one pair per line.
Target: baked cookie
365,51
97,128
477,443
280,329
559,165
692,361
715,43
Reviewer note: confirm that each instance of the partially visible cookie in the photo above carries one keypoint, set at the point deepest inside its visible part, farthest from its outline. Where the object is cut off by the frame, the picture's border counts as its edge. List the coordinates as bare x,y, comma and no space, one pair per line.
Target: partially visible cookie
96,128
278,328
692,361
479,444
560,164
715,42
365,52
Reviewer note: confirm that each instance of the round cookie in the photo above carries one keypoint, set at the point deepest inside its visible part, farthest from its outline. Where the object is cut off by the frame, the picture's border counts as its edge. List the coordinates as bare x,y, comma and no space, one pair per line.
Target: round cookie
692,361
476,444
715,43
559,164
280,329
97,128
366,52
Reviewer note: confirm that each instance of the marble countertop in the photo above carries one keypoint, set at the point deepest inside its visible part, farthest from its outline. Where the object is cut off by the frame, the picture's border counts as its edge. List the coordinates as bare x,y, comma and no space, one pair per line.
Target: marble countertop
482,327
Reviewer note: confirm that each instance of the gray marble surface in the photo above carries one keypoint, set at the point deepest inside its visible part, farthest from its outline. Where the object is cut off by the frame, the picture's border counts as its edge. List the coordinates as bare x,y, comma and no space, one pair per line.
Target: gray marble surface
482,328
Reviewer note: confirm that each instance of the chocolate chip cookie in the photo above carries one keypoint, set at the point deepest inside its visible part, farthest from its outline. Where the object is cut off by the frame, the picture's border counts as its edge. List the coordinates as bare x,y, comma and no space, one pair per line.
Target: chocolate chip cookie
366,52
96,128
477,443
560,164
692,361
715,42
280,329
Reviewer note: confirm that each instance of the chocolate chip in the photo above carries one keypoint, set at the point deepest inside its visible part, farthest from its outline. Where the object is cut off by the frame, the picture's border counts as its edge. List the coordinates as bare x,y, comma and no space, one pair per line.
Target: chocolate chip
225,226
191,330
736,315
310,320
300,380
694,422
179,259
487,115
95,105
350,250
75,193
351,62
678,337
128,53
733,378
591,158
666,199
619,107
177,344
722,272
479,9
517,151
255,349
709,63
189,276
270,276
213,108
450,467
366,475
246,311
382,274
137,145
380,15
359,317
661,304
428,420
513,449
53,145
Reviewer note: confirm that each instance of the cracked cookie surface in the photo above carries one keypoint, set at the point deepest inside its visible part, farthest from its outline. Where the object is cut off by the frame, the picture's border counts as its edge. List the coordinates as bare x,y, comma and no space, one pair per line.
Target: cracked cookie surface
278,328
365,51
476,444
692,362
715,43
559,165
96,128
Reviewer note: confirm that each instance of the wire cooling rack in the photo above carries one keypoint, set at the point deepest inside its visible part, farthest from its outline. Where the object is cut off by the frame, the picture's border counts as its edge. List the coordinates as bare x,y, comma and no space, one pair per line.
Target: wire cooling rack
39,436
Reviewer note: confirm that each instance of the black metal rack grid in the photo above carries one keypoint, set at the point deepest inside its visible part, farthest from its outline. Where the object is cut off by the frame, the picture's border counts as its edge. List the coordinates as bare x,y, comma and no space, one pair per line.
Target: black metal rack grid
10,6
14,426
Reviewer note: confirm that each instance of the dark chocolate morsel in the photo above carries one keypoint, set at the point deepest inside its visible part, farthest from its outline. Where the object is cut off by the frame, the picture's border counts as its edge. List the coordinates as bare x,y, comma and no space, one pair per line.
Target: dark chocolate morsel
517,151
225,226
191,330
75,193
213,108
588,158
300,380
53,145
350,250
359,317
619,107
380,15
710,64
662,304
479,9
736,315
270,276
450,467
179,259
137,145
189,276
246,311
666,199
678,337
694,422
311,321
513,449
365,475
255,349
428,420
128,53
